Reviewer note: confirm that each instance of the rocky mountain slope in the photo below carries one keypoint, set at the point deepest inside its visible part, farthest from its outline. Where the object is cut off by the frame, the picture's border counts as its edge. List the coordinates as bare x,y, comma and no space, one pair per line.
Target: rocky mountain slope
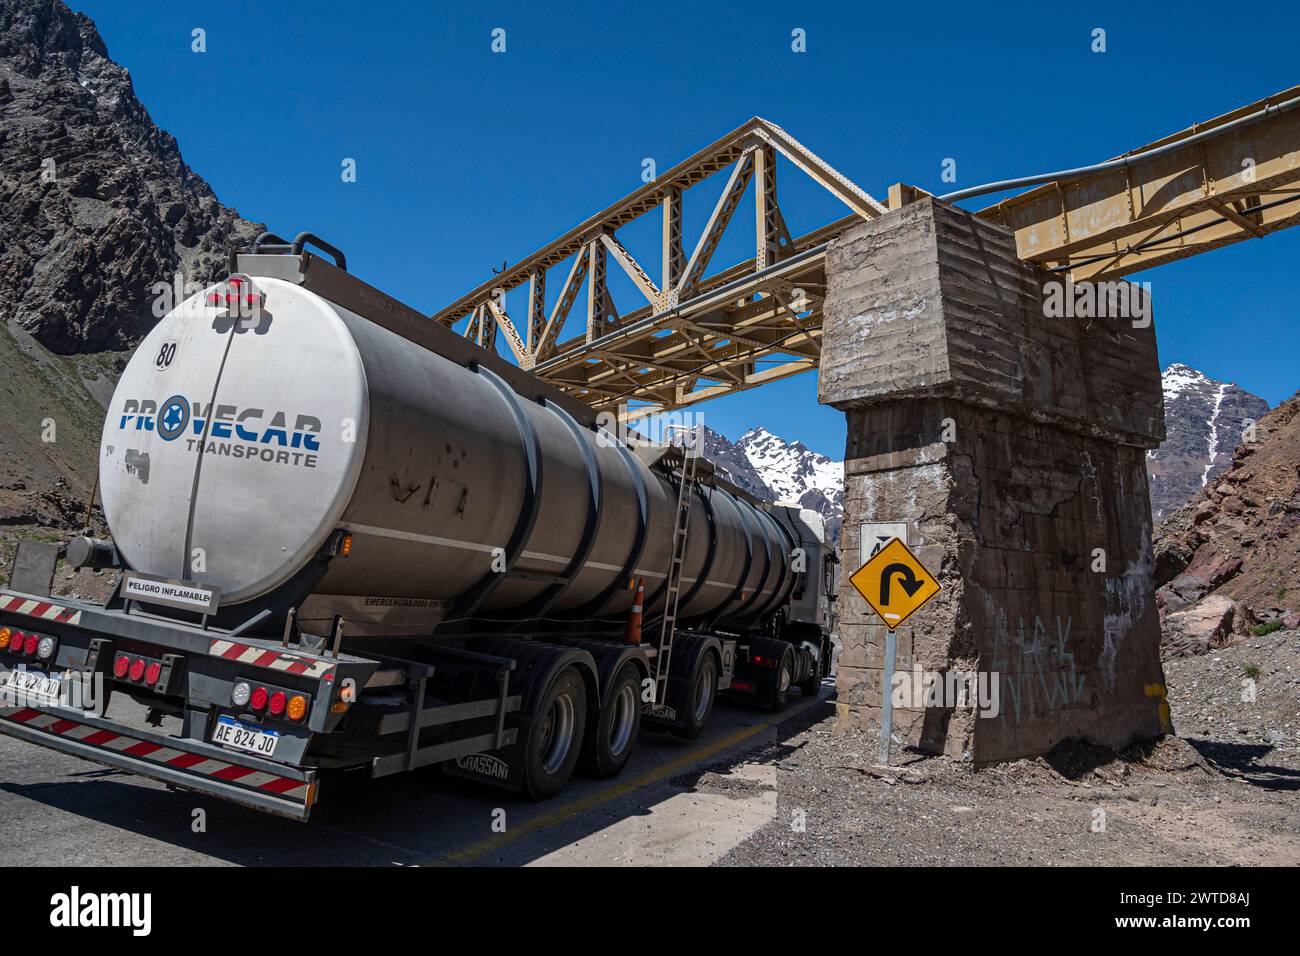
1203,424
795,472
96,203
1230,558
774,469
721,451
96,206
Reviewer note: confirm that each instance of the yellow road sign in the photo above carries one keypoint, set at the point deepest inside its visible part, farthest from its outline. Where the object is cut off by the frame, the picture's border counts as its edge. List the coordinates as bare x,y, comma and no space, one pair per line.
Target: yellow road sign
894,583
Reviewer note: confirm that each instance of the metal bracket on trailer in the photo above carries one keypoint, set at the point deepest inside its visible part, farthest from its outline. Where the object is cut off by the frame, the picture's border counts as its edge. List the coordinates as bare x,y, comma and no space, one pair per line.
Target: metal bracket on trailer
420,717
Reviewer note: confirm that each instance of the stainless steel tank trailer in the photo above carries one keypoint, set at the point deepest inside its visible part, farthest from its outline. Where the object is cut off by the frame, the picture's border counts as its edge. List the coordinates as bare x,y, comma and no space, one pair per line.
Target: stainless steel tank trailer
351,538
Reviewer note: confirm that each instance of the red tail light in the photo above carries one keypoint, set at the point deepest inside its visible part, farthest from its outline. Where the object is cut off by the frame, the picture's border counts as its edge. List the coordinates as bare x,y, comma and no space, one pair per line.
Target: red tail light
121,664
152,674
278,701
259,698
29,644
238,294
137,670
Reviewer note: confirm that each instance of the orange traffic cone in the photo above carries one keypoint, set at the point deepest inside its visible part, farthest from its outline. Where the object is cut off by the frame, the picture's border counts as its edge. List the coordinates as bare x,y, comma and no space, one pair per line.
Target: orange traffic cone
633,635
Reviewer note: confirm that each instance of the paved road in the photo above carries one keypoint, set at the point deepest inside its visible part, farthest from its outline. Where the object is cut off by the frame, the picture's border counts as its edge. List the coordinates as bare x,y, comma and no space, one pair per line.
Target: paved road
677,802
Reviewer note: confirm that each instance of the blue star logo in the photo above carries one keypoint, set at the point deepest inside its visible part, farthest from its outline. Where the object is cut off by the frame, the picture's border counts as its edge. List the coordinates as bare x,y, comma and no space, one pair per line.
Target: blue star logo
173,417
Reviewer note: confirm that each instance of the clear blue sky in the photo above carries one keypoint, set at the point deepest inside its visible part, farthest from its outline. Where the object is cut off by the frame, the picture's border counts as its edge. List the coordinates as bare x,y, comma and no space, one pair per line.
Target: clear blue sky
465,157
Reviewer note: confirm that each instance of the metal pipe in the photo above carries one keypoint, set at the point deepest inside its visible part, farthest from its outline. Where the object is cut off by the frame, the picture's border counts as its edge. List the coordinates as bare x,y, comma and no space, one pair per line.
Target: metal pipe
252,622
1123,161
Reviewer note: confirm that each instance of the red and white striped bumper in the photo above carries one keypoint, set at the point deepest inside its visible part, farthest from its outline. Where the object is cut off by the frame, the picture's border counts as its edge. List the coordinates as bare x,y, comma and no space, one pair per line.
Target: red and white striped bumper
272,660
191,764
46,610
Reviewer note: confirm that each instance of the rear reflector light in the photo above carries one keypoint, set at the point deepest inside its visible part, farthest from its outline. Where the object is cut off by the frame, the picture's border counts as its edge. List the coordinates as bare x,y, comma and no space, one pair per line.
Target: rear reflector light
741,685
237,294
278,702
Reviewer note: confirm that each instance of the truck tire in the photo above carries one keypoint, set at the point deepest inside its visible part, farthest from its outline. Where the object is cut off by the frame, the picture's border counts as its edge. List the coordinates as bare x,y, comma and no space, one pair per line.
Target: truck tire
813,685
612,736
699,703
782,681
555,736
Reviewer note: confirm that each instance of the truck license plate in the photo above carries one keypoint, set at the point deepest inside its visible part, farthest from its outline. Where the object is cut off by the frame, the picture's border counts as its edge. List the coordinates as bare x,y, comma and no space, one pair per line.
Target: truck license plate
32,685
248,737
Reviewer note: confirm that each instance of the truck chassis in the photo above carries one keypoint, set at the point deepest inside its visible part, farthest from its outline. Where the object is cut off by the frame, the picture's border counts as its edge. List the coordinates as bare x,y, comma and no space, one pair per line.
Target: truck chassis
475,710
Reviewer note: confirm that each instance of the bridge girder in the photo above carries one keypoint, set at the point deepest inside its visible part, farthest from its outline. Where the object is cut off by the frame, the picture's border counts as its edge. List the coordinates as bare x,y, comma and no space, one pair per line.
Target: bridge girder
699,335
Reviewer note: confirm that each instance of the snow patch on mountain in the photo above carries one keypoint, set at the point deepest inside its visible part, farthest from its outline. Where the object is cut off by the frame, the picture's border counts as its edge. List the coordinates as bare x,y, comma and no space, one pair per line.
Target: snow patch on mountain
1204,419
796,473
1213,440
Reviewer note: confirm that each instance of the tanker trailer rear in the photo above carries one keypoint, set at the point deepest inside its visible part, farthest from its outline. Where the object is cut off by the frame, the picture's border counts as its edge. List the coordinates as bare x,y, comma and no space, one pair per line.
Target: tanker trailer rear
433,553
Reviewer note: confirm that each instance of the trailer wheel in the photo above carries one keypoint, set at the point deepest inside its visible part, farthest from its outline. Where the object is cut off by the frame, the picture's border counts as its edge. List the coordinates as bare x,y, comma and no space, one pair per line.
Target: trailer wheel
704,687
555,737
813,685
783,680
612,738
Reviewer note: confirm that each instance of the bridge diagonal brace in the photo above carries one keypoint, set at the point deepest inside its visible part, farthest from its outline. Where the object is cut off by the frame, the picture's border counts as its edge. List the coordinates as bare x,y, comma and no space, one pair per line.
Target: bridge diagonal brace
825,175
513,338
723,210
633,269
544,344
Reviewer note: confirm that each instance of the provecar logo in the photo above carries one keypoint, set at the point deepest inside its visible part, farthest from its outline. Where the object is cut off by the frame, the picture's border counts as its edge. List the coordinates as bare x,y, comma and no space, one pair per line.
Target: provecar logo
253,434
76,909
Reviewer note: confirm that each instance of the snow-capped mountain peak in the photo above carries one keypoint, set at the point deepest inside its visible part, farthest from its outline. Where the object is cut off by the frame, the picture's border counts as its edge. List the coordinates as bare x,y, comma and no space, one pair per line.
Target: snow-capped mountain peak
1203,425
796,473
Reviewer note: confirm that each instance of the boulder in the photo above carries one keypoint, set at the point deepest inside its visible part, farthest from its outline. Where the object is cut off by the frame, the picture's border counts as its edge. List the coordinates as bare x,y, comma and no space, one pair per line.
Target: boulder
1207,624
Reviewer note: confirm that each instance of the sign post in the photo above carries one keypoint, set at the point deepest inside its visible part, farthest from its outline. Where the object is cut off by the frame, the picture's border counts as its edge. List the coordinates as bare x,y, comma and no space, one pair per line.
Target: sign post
895,583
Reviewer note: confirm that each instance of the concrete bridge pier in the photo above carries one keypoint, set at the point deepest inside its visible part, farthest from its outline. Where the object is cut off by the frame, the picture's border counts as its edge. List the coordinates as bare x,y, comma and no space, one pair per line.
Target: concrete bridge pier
1009,430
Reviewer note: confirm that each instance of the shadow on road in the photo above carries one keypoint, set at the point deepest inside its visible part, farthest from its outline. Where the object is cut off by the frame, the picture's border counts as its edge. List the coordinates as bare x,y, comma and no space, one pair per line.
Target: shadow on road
419,818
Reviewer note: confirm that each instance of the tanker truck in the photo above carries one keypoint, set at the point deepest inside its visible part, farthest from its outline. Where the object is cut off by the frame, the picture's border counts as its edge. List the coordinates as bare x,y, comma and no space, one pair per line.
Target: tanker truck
347,538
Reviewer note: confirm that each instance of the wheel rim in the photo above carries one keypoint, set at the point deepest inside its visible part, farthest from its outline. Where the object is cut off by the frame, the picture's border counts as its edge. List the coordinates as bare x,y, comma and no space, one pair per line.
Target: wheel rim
557,734
620,728
785,679
703,692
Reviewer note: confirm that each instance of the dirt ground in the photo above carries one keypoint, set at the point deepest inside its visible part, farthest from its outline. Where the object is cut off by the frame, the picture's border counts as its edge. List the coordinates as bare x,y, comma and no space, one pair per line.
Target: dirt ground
1225,791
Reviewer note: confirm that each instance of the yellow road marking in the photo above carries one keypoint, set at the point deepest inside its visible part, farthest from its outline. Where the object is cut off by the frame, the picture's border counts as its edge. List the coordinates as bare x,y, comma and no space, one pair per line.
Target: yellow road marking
613,792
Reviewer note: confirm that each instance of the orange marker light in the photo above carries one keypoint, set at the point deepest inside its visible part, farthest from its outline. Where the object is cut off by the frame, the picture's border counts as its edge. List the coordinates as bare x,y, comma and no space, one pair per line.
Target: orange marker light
297,706
345,548
4,637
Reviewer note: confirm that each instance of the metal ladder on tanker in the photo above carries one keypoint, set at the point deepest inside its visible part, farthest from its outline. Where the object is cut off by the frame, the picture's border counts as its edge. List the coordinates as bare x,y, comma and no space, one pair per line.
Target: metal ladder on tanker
672,592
